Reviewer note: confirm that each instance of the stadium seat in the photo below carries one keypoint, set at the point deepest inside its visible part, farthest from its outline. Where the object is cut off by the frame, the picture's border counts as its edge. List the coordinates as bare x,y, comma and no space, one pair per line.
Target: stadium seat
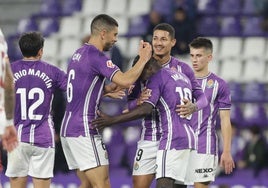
254,70
116,7
230,7
230,26
230,47
138,25
208,26
48,26
214,66
122,43
254,91
254,47
27,24
50,8
255,114
231,69
86,21
133,46
216,42
249,7
92,7
162,6
70,26
252,26
208,6
236,115
236,91
71,6
14,52
123,25
138,7
67,47
51,47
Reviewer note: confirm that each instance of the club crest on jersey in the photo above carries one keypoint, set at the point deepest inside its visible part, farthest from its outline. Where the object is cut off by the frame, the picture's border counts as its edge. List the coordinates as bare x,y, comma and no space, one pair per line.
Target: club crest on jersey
110,64
210,83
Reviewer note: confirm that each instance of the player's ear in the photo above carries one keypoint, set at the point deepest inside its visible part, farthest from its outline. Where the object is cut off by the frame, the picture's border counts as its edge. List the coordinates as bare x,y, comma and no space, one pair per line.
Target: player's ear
40,52
173,42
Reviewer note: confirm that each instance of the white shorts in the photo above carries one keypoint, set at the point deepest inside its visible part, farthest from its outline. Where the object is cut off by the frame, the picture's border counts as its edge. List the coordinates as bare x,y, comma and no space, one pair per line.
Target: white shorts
145,158
34,161
84,152
202,167
173,164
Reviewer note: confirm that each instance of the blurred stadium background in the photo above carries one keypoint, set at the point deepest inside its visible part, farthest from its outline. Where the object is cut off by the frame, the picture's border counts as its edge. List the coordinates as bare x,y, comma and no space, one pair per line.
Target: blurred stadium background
237,28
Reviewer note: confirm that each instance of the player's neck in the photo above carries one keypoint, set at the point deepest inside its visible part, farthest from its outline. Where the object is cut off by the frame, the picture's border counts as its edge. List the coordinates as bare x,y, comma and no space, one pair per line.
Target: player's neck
31,58
95,42
162,59
201,74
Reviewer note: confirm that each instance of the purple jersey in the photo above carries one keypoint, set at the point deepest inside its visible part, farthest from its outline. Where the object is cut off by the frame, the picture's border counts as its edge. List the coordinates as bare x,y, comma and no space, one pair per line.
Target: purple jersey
150,124
204,121
86,76
35,84
169,87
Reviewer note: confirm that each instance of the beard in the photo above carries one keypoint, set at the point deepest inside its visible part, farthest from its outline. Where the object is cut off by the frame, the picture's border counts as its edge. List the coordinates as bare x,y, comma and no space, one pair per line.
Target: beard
107,46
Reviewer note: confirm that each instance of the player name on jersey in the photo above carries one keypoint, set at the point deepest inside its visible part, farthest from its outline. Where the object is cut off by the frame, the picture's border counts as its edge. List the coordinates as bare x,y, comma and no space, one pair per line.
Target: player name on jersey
33,72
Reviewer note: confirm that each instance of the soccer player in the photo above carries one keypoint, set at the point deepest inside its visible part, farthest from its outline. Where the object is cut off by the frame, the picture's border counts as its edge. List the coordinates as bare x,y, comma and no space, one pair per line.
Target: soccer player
204,162
87,71
35,84
168,88
7,130
144,168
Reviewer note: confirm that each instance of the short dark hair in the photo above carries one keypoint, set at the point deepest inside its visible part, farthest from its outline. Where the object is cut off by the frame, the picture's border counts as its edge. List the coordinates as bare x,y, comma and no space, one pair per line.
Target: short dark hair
30,43
152,62
166,27
201,42
102,21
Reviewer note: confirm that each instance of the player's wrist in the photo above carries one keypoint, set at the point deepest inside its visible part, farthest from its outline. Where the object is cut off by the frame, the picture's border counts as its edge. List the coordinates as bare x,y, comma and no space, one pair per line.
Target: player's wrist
9,122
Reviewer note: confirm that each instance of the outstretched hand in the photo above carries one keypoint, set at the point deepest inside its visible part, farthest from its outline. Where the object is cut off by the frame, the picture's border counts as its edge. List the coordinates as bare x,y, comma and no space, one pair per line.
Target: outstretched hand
10,138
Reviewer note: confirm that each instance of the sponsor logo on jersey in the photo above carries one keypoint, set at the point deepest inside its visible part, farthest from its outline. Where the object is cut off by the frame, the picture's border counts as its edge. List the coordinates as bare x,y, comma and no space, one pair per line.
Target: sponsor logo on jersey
110,64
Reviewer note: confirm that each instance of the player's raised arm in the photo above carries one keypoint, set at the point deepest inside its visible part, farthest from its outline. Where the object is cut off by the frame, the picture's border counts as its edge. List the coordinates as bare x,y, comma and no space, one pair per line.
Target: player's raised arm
129,77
